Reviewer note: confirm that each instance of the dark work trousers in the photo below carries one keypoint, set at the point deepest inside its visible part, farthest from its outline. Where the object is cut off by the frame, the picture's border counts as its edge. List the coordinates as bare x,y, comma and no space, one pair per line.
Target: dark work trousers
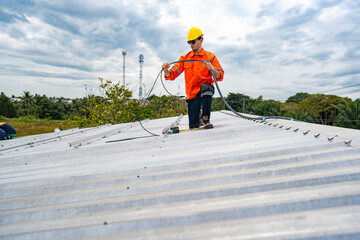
194,106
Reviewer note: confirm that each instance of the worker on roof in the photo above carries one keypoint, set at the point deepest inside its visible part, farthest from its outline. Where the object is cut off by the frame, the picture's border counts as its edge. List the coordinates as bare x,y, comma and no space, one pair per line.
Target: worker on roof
198,78
6,131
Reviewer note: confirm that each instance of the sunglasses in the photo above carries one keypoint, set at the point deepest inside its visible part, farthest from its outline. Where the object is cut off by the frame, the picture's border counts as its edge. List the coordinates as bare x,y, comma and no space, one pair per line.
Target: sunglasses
193,41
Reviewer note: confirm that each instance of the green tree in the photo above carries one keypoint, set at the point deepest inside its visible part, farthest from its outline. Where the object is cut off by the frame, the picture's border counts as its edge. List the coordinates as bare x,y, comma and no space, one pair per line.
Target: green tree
267,108
217,104
115,106
166,106
240,102
27,99
75,109
37,99
50,109
349,114
320,108
293,110
151,97
7,109
298,97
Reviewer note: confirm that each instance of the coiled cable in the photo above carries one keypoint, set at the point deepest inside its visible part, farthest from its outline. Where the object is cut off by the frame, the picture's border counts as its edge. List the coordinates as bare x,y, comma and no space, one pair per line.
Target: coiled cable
263,119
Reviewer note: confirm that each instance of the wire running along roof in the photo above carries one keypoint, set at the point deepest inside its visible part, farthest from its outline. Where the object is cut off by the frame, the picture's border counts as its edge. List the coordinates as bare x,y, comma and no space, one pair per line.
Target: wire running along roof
241,180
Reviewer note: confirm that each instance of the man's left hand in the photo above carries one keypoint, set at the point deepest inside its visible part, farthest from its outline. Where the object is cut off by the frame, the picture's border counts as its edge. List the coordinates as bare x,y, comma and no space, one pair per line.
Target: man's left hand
209,66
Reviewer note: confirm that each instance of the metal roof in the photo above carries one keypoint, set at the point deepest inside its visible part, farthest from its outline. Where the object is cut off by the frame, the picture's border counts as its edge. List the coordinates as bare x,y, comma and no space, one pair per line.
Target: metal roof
241,180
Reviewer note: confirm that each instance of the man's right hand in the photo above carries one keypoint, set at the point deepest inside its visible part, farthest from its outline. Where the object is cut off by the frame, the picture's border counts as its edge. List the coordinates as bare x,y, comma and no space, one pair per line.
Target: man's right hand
166,67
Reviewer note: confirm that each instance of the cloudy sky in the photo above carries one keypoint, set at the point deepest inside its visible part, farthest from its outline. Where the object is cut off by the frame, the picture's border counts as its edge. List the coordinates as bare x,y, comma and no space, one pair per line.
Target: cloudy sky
269,48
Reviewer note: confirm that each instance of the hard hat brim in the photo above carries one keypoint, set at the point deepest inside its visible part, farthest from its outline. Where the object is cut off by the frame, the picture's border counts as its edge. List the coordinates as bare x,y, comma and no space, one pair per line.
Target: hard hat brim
190,39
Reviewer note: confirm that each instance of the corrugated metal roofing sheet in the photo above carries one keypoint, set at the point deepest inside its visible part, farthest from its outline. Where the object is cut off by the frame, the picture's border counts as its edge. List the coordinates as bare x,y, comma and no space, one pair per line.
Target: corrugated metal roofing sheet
240,180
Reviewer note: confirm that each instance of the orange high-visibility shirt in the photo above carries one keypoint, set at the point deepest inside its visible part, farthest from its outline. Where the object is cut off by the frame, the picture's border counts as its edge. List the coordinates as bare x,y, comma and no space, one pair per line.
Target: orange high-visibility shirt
196,73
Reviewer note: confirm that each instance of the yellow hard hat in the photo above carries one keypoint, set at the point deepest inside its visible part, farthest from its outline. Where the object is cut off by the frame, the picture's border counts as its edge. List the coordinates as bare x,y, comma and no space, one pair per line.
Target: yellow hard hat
194,33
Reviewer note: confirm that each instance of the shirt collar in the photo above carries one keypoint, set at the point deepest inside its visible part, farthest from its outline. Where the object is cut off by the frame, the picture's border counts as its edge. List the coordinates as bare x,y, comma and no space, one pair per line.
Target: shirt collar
200,54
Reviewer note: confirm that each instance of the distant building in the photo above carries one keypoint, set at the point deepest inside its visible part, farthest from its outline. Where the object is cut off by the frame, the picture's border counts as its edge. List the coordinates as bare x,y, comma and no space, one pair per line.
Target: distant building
67,101
15,99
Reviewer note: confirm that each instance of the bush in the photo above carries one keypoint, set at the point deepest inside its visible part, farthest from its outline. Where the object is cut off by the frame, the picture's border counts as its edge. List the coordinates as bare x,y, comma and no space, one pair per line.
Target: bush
49,109
7,109
240,102
217,104
321,108
115,106
349,114
166,106
267,108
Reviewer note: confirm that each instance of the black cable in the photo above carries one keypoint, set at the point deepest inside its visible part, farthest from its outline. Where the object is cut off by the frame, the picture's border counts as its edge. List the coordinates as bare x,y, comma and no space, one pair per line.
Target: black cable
127,139
162,82
218,88
263,119
152,88
148,95
223,99
141,108
148,130
352,91
341,88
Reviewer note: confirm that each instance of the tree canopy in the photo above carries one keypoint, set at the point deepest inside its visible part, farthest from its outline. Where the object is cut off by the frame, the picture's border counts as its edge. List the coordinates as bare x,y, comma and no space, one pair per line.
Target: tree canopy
116,105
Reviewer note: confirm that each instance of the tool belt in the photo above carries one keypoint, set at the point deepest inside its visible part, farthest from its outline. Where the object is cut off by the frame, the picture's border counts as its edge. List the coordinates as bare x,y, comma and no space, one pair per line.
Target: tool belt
206,90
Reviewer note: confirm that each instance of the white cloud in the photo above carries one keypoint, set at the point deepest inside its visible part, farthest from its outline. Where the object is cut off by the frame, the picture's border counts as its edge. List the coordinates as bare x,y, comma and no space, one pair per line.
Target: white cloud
269,48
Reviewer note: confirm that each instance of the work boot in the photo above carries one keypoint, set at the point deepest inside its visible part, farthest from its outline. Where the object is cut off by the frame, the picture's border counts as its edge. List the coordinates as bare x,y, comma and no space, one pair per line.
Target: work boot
205,121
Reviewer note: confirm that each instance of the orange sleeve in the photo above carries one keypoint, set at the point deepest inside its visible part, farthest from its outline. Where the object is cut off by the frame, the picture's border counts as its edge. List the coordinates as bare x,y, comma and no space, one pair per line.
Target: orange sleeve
218,67
176,70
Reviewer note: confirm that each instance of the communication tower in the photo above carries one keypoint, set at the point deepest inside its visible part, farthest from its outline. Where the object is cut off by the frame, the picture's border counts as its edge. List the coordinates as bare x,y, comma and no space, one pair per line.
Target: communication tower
141,61
124,54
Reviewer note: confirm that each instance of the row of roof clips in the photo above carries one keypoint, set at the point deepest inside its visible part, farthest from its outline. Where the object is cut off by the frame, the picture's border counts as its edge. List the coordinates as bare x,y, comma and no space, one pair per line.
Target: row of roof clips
330,139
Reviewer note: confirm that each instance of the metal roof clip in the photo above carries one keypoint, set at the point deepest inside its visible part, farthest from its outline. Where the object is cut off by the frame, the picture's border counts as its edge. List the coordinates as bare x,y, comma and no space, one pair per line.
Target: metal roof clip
331,138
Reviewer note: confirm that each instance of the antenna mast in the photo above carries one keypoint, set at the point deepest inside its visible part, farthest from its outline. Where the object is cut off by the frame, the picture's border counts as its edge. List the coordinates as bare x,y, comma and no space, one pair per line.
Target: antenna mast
124,54
141,61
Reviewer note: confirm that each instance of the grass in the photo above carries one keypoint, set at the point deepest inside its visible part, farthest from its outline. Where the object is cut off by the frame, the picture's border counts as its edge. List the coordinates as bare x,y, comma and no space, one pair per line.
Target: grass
25,126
